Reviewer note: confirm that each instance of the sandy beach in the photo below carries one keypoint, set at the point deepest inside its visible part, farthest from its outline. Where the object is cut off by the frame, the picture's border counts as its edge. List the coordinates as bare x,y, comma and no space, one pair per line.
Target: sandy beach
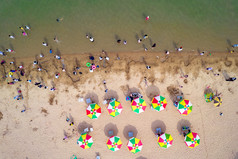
38,132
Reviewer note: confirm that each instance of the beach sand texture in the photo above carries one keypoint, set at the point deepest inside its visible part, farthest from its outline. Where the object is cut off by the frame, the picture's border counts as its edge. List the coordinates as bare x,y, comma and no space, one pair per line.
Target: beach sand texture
37,133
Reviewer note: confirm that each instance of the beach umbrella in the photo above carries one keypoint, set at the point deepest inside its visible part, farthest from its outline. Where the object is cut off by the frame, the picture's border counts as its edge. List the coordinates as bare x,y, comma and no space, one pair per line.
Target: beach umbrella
208,97
185,107
93,111
165,140
114,143
192,140
159,103
85,141
217,101
114,108
134,145
138,105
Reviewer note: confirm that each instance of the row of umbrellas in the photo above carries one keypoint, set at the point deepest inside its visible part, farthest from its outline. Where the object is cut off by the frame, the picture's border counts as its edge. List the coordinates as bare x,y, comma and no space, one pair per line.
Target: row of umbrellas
134,145
138,105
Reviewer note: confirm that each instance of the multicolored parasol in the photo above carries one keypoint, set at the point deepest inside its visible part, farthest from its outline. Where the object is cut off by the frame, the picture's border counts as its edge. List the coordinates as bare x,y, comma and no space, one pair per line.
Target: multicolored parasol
185,107
159,103
138,105
114,108
134,145
114,143
192,140
165,140
93,111
85,141
217,101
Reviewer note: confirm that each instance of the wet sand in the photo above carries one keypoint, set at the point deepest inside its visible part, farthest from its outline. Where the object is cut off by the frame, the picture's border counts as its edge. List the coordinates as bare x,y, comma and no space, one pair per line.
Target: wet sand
39,131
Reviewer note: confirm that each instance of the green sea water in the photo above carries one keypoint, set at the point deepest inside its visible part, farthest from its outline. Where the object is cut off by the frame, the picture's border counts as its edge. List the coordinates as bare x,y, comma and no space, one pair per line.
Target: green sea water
193,24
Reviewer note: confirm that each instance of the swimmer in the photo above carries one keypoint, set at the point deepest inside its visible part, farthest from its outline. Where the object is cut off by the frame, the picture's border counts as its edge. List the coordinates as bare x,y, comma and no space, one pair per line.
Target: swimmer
27,27
147,18
57,57
139,40
180,49
145,36
2,53
11,36
41,55
59,19
56,39
24,33
22,29
9,50
154,45
44,44
125,42
91,39
57,75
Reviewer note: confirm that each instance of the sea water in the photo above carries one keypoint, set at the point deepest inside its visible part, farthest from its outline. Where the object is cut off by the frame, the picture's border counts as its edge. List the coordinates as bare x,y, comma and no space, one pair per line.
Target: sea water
206,25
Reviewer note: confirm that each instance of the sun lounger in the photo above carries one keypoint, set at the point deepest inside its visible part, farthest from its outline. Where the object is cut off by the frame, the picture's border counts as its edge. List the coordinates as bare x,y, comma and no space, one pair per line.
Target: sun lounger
130,134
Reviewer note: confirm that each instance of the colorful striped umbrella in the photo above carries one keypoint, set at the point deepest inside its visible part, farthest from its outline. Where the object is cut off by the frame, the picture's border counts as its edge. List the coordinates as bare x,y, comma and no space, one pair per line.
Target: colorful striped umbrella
159,103
93,111
114,108
217,101
114,143
165,140
185,107
208,97
138,105
85,141
192,140
134,145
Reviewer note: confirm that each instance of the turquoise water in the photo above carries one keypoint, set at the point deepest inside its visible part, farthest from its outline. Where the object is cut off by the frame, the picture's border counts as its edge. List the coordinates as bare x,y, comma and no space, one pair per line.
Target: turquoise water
193,24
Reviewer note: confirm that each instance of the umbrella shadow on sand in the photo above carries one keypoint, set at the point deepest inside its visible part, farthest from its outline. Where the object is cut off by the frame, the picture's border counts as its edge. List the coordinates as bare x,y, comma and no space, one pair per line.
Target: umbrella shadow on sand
111,94
158,124
83,125
182,123
110,127
93,96
129,128
152,91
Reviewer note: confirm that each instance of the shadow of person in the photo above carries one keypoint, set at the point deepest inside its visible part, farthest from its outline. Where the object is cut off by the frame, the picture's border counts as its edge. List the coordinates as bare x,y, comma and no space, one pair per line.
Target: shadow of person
158,124
141,157
83,125
111,94
110,127
152,91
93,96
181,123
129,128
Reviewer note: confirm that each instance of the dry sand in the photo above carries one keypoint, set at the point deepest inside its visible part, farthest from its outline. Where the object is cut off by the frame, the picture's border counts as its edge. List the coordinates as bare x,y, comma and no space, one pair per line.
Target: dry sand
37,133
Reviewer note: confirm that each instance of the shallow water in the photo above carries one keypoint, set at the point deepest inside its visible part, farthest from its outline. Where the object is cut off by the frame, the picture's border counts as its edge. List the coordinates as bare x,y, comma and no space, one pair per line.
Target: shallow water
193,24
